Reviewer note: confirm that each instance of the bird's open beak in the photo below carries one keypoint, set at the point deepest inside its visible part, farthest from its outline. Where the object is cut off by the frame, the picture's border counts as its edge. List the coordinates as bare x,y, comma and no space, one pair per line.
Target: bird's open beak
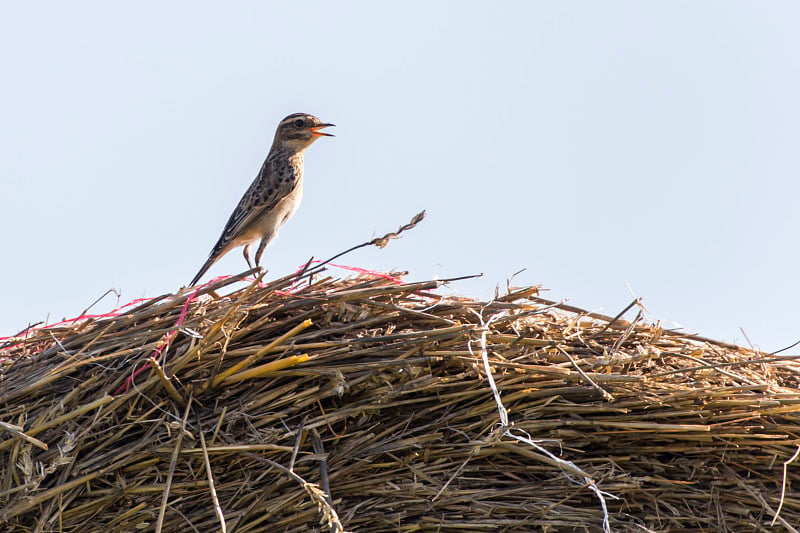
315,130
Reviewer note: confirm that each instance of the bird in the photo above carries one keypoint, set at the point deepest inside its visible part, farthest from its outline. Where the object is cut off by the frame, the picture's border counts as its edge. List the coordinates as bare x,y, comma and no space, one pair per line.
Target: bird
274,195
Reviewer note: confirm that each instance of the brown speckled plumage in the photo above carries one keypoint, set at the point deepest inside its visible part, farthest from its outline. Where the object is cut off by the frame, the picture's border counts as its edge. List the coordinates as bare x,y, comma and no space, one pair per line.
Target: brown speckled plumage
274,195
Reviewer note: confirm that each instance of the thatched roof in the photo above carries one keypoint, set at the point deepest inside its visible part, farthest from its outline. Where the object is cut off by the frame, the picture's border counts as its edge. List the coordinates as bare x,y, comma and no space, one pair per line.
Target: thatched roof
366,402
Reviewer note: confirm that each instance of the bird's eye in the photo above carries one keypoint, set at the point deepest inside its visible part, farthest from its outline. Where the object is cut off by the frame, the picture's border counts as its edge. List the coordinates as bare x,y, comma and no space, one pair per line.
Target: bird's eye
299,123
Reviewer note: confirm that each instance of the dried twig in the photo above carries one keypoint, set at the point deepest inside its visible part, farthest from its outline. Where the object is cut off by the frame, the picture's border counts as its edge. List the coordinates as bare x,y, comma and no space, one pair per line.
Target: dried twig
168,484
211,487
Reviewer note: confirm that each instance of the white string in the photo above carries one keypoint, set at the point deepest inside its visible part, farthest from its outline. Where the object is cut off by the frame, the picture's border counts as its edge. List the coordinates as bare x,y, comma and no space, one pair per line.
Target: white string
507,429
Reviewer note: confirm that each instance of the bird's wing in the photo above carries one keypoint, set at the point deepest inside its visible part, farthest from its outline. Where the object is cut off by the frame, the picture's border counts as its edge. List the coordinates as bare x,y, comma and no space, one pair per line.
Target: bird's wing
274,182
269,188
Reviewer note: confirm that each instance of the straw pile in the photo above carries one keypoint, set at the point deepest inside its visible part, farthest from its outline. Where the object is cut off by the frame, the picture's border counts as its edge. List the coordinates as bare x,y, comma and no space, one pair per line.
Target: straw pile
243,413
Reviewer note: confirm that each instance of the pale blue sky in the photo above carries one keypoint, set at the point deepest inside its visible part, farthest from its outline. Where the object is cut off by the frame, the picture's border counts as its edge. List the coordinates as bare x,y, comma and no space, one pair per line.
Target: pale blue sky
596,144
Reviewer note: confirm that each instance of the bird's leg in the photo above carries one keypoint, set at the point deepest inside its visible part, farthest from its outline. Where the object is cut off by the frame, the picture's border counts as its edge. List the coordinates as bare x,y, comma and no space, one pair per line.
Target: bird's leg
247,256
262,245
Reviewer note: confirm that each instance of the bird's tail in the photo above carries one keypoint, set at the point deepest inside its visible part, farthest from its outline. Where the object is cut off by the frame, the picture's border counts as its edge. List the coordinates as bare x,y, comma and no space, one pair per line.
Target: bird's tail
210,261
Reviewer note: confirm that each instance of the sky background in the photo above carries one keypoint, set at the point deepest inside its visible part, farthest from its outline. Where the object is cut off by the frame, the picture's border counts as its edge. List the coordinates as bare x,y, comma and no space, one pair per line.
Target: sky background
598,145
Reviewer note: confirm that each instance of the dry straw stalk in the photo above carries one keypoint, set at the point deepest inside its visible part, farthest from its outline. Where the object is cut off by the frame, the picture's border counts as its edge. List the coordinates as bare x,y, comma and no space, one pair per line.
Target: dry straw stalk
365,405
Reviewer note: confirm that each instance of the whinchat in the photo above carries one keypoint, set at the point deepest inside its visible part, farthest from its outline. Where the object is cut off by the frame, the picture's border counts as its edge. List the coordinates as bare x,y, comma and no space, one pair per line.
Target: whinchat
274,195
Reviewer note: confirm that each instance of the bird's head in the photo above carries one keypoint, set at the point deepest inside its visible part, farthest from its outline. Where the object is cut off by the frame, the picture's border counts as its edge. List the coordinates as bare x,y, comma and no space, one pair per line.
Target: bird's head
299,130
